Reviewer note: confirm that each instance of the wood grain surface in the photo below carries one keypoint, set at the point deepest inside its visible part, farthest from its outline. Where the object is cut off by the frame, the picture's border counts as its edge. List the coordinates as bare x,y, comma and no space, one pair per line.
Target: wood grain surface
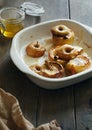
70,106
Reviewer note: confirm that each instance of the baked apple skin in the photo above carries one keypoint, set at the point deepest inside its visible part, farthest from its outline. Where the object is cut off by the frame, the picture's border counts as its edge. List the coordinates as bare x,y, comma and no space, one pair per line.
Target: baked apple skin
35,50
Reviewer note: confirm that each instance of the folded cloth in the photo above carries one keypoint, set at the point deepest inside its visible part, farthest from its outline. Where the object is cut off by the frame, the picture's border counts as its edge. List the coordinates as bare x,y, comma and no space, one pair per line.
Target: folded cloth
53,125
12,118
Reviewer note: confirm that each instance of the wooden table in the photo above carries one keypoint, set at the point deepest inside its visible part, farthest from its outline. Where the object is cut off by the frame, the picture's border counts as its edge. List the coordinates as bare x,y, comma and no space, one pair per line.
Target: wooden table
70,106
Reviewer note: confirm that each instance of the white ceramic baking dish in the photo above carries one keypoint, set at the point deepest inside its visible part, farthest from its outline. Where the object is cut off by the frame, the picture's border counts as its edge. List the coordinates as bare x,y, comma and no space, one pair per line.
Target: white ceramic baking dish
42,30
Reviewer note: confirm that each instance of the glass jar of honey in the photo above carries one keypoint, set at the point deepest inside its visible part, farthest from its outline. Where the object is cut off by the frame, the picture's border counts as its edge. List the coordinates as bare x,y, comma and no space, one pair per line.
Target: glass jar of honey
11,21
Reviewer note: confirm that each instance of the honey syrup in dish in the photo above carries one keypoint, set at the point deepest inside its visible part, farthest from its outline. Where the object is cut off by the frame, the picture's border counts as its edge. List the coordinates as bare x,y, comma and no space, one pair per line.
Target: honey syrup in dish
47,44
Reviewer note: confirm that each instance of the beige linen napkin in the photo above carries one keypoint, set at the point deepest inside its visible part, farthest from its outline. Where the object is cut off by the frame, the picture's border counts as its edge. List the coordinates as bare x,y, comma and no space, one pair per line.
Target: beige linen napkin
11,116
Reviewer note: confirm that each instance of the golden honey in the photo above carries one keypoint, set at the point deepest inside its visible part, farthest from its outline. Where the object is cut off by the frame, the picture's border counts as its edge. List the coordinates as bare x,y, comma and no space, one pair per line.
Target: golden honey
10,28
11,21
